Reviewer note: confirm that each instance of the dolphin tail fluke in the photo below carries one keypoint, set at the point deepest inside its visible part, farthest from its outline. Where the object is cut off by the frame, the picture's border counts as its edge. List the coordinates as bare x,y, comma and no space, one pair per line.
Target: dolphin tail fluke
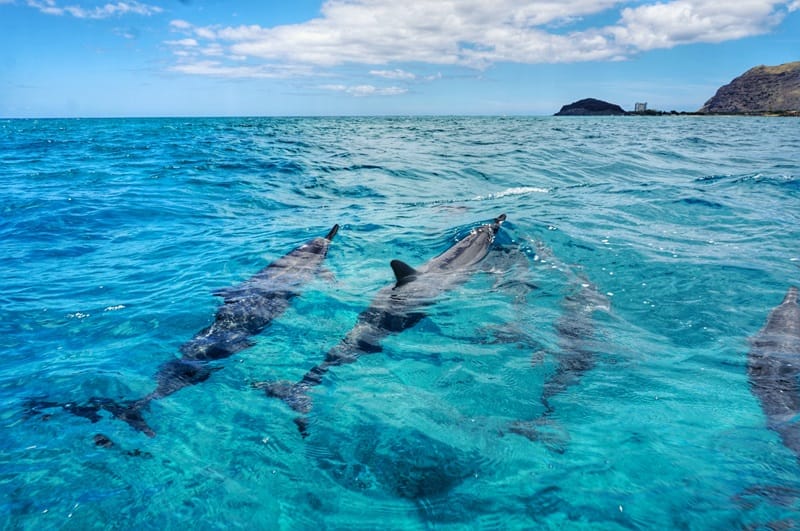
294,394
130,412
545,431
302,426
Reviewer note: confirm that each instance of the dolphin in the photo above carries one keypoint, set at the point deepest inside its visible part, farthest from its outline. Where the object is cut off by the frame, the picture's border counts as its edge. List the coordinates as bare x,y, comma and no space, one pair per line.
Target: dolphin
576,356
773,368
395,308
246,310
576,330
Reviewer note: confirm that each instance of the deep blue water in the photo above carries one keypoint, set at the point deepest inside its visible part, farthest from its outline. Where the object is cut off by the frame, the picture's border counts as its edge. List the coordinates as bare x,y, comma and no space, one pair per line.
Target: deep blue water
114,233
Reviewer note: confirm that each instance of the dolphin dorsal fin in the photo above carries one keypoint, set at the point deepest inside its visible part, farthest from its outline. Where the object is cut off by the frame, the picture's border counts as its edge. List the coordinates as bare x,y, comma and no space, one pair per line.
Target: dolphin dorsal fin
791,295
333,232
403,272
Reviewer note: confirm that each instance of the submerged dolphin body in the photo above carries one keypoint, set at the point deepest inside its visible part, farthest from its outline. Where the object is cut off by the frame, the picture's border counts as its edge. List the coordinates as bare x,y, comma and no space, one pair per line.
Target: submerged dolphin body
394,309
576,331
576,356
247,309
773,368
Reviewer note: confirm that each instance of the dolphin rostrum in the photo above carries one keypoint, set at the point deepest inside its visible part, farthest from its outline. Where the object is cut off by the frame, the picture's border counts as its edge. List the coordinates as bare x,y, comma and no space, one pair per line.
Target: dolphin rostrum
394,309
773,368
247,309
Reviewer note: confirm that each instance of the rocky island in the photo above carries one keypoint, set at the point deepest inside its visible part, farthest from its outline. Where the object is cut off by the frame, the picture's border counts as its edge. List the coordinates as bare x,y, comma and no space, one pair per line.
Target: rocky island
760,90
591,107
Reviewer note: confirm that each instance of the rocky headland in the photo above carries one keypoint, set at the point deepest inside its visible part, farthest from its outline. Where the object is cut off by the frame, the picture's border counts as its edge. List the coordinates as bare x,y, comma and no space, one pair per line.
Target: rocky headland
760,90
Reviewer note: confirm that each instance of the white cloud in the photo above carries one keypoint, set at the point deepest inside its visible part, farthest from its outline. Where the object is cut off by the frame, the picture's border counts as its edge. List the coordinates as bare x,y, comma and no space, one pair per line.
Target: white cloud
183,42
180,24
214,50
366,90
394,74
216,68
479,33
132,7
379,32
683,22
206,34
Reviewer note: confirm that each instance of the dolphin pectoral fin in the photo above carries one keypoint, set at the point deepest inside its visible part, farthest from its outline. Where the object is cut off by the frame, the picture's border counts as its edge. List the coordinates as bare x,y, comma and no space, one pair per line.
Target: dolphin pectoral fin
229,294
294,395
403,272
545,431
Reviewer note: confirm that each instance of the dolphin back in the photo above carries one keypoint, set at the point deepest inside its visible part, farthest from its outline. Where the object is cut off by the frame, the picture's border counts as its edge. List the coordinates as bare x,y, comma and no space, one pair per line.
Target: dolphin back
773,369
782,329
468,251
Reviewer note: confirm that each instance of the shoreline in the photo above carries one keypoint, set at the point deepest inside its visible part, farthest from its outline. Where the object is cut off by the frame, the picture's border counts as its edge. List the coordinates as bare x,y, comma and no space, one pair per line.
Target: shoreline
768,114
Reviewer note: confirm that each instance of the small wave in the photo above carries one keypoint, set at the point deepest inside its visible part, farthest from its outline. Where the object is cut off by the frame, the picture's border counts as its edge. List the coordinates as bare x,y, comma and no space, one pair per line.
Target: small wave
696,201
519,190
783,180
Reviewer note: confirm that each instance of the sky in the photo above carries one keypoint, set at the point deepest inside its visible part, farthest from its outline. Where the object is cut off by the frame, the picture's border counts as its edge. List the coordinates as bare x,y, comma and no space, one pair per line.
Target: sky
84,58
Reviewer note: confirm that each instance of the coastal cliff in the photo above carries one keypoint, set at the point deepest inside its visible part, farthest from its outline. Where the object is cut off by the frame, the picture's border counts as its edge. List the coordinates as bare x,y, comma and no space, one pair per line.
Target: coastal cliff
760,90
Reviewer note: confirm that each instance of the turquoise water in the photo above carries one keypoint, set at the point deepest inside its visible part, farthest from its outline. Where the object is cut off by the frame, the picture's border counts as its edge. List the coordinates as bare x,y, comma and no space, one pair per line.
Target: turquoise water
115,232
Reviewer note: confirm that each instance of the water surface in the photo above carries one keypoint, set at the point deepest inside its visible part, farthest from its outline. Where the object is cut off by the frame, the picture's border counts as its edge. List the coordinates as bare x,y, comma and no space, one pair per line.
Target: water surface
115,232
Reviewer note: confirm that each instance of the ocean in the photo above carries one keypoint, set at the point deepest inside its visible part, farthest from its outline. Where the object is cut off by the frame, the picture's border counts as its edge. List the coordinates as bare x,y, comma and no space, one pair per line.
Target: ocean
591,374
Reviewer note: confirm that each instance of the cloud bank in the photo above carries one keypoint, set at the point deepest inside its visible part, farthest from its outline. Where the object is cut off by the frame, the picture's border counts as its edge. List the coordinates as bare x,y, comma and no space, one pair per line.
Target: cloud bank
473,34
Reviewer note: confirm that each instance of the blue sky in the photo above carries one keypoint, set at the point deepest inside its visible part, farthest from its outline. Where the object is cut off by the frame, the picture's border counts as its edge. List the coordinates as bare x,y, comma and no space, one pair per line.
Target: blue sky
84,58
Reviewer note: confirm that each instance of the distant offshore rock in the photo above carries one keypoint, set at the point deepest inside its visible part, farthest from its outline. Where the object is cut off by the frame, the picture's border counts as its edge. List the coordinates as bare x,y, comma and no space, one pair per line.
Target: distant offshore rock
760,90
590,107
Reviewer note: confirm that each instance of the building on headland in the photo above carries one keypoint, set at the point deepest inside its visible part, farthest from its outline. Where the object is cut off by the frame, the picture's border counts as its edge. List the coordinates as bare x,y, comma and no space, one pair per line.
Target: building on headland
640,107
